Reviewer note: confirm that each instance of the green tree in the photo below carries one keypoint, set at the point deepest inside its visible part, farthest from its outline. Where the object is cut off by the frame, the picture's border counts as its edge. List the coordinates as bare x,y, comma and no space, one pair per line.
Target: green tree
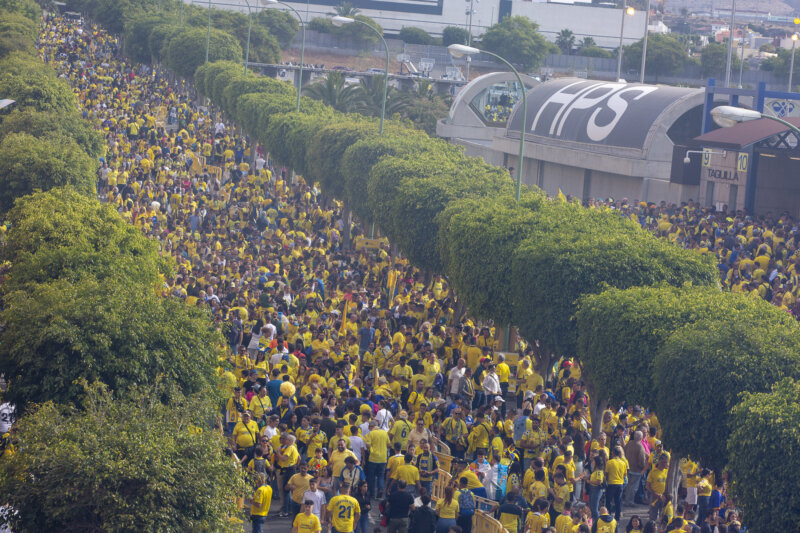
487,231
17,33
454,35
38,91
334,92
158,41
780,63
517,40
282,25
137,34
714,57
425,112
253,83
28,164
102,331
359,31
711,362
289,134
620,331
27,8
594,51
665,55
187,48
206,75
345,9
565,40
574,251
321,25
62,233
764,440
587,42
54,125
359,158
370,97
129,464
412,35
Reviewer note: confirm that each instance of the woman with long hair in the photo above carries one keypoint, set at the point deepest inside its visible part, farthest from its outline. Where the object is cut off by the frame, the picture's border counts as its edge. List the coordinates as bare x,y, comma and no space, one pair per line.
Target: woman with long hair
361,494
447,509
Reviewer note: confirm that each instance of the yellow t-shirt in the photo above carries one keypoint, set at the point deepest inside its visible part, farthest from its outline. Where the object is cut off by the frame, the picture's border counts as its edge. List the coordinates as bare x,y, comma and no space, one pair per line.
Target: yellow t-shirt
378,443
343,511
536,522
307,523
406,472
503,372
616,470
292,456
337,461
301,485
245,435
448,510
472,479
658,480
262,499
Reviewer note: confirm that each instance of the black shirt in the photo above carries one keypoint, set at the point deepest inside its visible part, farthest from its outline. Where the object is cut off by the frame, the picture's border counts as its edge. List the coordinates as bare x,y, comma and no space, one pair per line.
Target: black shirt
400,503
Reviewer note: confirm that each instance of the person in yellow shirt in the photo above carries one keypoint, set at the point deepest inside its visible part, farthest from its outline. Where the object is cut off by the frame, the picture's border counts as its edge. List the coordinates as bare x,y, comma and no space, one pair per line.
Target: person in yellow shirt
287,457
538,518
262,499
406,472
343,511
615,470
244,438
378,443
306,521
503,372
400,430
298,485
447,508
656,485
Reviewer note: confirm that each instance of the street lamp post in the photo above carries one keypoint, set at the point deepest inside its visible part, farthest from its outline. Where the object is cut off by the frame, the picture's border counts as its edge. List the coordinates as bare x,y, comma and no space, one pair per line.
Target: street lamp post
249,29
726,116
208,31
459,50
791,64
341,21
625,11
302,46
741,62
644,41
730,45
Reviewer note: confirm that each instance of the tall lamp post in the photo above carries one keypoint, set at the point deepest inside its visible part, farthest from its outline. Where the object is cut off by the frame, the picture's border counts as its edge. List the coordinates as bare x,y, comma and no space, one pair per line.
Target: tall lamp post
208,30
302,46
625,11
726,116
341,21
644,42
791,64
730,45
459,50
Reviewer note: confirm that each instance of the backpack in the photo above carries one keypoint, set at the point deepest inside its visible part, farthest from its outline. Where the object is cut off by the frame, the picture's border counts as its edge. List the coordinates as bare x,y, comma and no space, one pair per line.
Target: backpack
466,503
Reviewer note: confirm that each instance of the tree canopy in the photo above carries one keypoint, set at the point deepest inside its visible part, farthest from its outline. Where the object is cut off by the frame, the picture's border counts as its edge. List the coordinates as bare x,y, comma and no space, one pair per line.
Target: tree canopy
187,49
665,55
130,464
517,40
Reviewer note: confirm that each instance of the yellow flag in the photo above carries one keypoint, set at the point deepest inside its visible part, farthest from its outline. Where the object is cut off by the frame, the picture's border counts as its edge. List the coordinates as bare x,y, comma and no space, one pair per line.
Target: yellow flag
561,195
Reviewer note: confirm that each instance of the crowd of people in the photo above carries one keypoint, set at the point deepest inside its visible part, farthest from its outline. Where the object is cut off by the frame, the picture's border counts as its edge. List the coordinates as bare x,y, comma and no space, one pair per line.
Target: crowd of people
348,374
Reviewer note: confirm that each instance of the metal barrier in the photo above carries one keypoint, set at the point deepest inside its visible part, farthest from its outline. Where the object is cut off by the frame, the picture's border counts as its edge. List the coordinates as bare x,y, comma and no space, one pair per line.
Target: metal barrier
484,523
439,446
445,461
484,504
442,480
212,170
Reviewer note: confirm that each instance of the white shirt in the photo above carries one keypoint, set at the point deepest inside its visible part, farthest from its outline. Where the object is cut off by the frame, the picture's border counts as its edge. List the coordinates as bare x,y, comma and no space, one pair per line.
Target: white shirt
358,446
364,428
318,497
491,384
8,415
455,375
384,419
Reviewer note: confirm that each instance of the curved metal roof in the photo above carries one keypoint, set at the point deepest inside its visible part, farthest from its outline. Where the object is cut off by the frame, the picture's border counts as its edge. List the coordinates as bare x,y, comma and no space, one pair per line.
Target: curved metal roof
603,114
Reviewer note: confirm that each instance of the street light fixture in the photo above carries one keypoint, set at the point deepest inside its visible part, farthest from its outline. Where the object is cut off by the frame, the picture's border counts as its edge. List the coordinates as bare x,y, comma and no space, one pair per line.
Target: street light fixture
630,12
460,50
302,46
4,103
726,116
791,65
339,21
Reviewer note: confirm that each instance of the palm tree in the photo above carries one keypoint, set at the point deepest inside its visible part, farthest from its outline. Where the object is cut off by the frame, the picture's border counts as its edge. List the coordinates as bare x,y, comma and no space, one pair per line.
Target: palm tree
345,9
370,97
334,92
566,41
587,42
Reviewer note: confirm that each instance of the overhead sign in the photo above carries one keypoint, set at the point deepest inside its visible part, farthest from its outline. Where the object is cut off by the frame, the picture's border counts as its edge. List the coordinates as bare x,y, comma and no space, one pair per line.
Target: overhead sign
611,114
